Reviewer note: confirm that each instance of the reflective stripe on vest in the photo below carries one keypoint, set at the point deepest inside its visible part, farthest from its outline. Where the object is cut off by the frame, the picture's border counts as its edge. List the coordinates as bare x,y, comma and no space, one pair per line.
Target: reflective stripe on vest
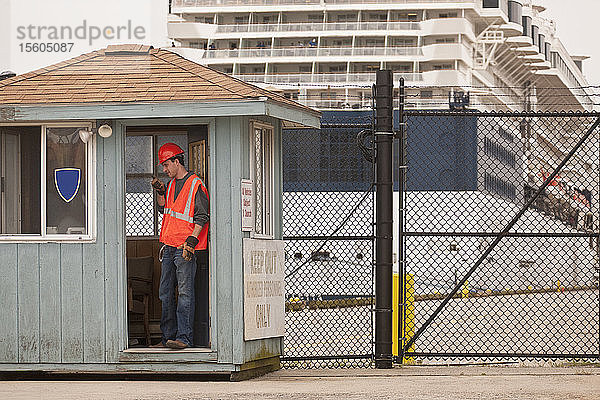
185,216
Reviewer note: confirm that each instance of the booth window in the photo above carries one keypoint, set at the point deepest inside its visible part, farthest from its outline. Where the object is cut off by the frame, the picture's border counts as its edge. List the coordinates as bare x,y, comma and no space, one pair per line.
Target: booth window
262,176
142,217
45,182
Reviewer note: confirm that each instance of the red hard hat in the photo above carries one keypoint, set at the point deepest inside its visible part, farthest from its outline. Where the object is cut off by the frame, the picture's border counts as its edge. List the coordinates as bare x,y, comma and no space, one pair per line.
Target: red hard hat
167,151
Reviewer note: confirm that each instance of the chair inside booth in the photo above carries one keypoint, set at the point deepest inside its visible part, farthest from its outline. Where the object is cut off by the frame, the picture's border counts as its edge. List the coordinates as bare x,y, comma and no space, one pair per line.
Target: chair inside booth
143,222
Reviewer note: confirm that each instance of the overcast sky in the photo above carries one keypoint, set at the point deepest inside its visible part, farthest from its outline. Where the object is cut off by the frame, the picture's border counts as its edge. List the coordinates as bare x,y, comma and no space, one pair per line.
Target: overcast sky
578,27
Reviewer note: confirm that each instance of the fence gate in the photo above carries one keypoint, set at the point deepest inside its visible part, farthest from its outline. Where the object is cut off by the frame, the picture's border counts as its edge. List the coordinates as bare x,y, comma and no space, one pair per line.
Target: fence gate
328,228
500,236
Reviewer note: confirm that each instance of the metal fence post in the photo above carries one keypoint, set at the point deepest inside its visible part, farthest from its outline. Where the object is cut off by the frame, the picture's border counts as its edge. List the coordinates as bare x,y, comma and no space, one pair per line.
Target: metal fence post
401,188
384,134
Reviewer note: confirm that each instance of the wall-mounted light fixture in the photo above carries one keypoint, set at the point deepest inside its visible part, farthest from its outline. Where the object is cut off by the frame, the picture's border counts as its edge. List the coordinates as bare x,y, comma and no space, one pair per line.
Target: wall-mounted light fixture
105,130
85,134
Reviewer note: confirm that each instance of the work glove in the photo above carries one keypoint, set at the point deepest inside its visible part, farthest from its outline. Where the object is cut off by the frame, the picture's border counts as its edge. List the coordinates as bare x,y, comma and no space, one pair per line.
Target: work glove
188,247
160,187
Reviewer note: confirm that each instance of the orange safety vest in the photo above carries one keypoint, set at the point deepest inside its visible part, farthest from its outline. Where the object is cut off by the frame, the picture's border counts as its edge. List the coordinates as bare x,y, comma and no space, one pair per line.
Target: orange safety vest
178,217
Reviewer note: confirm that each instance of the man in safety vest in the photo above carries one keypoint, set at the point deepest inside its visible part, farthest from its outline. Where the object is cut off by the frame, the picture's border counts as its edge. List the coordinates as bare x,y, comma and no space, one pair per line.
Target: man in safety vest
184,205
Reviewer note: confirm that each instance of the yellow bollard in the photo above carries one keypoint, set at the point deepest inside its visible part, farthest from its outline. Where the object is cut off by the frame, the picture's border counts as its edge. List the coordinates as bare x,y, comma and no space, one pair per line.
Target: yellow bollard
395,302
408,328
465,290
408,317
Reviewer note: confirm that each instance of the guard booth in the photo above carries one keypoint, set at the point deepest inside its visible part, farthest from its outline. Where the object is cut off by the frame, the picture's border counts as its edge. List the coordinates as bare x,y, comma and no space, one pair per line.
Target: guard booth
79,226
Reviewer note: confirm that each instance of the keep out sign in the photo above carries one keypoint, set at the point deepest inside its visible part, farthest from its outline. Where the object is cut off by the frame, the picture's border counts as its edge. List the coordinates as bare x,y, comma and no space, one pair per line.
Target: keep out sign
264,297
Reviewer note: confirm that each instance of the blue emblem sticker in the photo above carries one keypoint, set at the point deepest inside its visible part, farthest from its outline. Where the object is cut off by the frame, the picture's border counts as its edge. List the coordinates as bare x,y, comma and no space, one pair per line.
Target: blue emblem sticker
67,182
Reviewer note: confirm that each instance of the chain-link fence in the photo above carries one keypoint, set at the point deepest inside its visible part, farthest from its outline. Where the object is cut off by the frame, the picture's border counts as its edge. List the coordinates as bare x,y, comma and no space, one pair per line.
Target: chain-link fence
500,236
328,229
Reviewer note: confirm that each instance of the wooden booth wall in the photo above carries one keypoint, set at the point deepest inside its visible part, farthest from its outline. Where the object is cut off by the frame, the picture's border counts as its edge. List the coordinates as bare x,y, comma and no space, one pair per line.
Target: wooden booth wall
61,302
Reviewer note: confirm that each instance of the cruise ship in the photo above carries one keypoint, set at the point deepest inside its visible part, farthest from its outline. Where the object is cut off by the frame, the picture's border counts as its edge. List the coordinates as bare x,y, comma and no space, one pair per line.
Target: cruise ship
504,53
324,53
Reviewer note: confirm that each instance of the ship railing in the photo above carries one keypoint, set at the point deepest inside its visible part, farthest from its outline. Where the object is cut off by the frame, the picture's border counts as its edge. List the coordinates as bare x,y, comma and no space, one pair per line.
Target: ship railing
320,26
363,78
314,52
350,103
220,3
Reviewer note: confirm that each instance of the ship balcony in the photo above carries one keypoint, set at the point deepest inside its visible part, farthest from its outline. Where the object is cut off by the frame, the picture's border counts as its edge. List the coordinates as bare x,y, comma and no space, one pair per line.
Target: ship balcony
182,30
527,50
432,52
534,59
520,41
183,6
540,66
318,27
565,86
330,53
323,79
357,79
511,29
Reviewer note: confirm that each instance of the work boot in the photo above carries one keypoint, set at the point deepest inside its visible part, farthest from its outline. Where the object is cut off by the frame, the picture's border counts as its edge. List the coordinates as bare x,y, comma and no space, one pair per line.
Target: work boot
159,345
176,344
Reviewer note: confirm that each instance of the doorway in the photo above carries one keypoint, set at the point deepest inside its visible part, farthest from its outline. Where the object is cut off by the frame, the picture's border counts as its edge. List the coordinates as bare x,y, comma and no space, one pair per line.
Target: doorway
142,227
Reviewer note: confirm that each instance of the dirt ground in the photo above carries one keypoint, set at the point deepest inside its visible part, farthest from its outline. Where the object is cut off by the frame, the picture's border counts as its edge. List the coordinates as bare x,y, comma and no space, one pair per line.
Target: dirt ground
430,382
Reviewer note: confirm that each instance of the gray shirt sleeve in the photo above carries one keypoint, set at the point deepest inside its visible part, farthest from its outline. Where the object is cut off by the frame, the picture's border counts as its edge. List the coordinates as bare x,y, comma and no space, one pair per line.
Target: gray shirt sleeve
200,208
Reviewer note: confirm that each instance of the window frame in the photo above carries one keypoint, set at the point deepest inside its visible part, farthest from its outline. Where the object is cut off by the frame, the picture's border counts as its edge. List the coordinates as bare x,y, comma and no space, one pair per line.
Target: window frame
91,209
270,203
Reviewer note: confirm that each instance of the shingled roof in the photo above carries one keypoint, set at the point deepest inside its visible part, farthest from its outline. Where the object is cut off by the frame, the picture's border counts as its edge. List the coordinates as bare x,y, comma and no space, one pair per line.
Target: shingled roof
130,73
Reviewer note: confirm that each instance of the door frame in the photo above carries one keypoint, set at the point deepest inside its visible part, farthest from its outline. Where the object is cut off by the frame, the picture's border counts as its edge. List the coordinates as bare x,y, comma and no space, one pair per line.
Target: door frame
175,122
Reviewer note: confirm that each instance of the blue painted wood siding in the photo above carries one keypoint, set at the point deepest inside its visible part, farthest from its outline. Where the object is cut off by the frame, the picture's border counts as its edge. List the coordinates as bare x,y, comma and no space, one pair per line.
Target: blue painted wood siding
62,302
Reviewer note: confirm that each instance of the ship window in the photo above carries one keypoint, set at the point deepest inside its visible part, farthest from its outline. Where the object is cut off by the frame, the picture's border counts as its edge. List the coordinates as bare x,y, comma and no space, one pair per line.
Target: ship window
337,68
447,15
535,34
426,94
527,26
205,20
403,42
270,19
407,17
377,17
499,186
347,17
491,3
515,12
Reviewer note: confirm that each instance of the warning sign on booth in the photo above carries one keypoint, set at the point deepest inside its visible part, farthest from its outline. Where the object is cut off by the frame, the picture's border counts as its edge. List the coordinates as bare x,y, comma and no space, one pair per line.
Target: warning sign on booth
264,289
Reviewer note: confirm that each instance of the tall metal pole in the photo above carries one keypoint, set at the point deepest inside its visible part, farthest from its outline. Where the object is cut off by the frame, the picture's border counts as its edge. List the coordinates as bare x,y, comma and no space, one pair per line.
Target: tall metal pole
384,106
401,188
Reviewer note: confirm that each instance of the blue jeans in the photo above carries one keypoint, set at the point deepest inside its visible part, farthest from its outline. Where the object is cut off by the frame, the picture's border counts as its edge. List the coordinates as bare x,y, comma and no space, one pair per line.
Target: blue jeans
177,320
